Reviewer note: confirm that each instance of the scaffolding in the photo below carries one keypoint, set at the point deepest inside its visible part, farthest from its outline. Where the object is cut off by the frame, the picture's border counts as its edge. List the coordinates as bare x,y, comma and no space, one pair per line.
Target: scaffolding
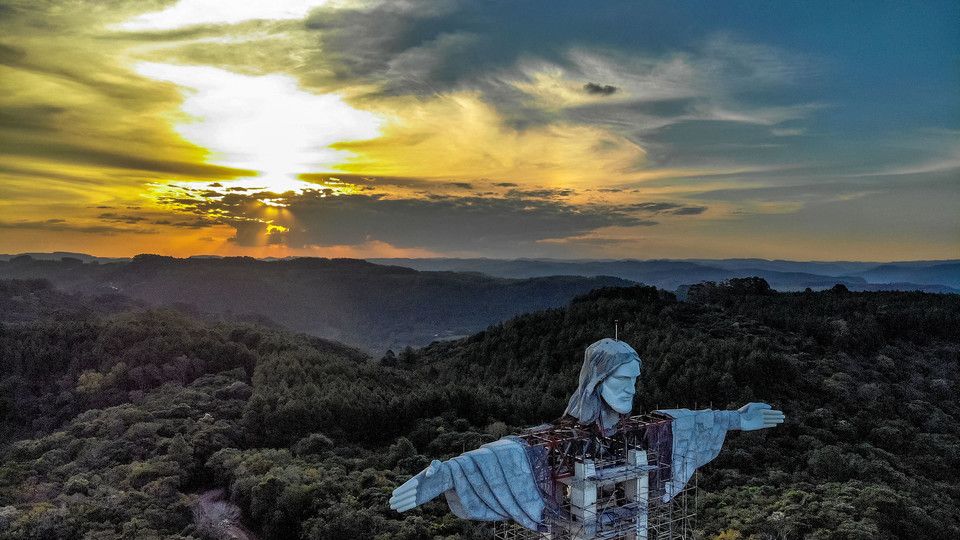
609,488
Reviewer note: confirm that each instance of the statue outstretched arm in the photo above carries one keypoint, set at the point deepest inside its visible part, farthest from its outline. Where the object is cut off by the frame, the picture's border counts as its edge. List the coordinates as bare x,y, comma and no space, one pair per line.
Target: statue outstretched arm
492,483
424,487
754,416
750,417
698,436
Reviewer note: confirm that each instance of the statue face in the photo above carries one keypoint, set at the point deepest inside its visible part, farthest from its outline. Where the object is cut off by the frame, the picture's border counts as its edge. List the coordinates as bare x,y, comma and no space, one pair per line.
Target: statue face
618,389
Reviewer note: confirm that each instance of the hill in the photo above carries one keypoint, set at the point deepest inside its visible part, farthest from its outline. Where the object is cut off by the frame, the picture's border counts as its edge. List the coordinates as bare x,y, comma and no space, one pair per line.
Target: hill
372,306
927,276
944,274
114,423
868,382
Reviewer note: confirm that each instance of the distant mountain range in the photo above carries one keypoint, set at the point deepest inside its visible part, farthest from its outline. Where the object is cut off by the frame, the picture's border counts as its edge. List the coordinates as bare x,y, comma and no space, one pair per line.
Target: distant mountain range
928,276
353,301
393,303
941,276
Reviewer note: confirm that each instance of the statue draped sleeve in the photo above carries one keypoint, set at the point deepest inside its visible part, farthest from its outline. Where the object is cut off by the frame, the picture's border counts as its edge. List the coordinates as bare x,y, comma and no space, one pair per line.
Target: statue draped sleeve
492,483
697,439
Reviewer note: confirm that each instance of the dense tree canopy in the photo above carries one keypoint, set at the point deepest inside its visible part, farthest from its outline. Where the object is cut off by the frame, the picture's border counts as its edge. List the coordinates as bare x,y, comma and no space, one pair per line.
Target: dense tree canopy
113,417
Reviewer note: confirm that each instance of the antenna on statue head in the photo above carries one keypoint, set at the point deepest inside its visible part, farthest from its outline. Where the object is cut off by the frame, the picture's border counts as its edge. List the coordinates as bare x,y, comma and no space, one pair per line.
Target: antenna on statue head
616,329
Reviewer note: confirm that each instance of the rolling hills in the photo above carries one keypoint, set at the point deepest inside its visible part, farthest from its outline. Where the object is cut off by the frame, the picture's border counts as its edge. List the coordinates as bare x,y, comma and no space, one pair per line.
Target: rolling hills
356,302
927,276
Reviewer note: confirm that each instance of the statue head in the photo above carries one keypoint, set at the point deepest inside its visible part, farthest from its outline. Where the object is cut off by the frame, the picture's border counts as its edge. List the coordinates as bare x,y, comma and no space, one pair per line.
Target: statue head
607,383
618,388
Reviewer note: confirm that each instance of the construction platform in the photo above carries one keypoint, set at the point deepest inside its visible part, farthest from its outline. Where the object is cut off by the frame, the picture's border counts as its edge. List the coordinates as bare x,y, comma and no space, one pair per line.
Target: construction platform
610,488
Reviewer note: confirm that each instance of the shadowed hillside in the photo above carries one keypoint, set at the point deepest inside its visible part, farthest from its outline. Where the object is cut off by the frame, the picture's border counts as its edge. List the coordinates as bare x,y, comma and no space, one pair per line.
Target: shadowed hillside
356,302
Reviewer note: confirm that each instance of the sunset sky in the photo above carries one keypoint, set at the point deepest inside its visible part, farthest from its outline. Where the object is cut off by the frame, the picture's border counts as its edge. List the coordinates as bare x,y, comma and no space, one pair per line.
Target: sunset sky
807,130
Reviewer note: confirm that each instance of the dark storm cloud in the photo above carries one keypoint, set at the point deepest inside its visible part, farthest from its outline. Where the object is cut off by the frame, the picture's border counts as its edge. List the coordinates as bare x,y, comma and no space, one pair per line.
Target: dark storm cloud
415,48
599,89
441,222
428,48
469,222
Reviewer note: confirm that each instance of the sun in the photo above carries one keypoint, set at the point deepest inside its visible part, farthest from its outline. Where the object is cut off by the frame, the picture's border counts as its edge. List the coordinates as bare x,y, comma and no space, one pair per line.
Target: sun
266,123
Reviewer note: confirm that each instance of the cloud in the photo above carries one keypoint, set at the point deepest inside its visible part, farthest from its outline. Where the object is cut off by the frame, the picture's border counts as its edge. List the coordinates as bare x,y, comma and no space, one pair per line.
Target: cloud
583,124
77,127
412,49
540,193
946,164
654,207
689,211
462,136
587,241
721,80
185,13
87,155
121,218
429,66
369,181
668,208
61,225
599,89
788,199
787,132
438,222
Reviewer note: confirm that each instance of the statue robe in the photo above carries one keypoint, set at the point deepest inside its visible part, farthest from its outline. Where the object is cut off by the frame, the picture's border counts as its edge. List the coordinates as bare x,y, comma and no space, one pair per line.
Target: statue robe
503,480
510,480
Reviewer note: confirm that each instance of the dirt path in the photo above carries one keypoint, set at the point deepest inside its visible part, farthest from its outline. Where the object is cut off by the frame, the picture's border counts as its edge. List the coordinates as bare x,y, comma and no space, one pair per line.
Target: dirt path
219,517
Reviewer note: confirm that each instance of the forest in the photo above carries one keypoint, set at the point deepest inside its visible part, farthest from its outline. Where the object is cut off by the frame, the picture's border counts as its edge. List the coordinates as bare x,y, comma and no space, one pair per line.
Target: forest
115,415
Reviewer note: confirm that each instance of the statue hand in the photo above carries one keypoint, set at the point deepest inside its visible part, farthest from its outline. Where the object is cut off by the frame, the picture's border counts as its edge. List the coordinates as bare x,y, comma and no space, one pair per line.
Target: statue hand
405,497
755,416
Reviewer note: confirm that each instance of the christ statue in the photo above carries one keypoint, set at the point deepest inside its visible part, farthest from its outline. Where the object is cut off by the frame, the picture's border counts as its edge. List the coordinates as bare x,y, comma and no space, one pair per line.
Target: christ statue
509,479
